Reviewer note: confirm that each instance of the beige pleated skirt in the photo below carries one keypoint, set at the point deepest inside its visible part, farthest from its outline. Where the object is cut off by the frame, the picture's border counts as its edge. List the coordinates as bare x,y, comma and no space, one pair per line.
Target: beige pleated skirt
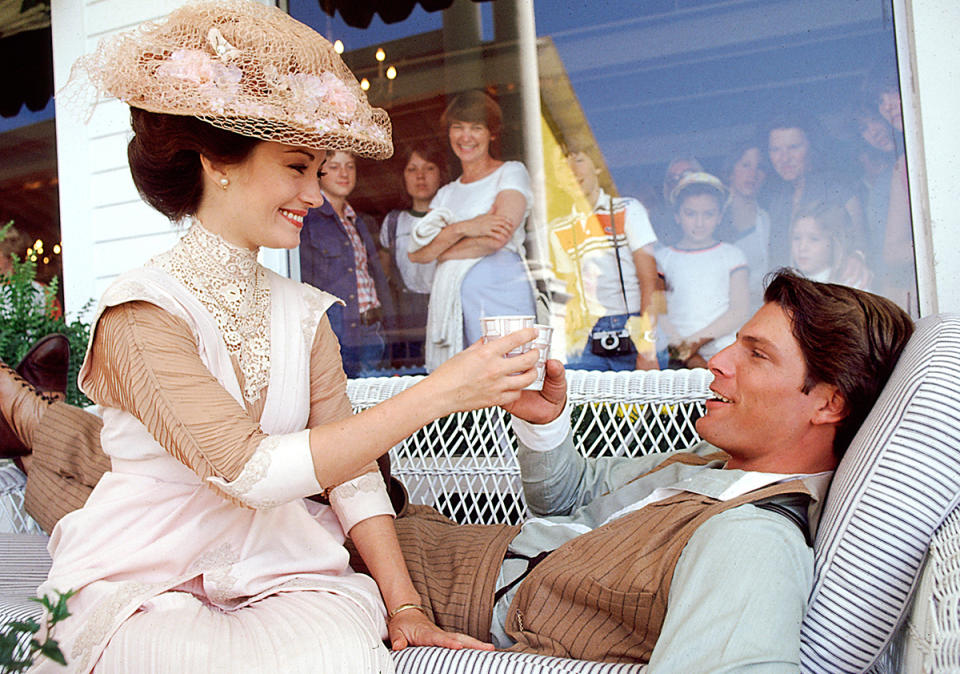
307,632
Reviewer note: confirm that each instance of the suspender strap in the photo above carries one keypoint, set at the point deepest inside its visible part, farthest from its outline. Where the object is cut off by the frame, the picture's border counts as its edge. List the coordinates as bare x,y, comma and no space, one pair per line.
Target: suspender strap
531,563
791,515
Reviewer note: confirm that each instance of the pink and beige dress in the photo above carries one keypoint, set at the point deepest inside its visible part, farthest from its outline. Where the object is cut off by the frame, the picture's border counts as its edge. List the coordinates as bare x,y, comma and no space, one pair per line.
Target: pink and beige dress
197,552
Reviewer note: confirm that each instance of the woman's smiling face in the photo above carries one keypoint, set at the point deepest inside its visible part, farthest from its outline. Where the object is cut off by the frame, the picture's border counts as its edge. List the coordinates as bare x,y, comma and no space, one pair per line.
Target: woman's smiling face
268,195
470,141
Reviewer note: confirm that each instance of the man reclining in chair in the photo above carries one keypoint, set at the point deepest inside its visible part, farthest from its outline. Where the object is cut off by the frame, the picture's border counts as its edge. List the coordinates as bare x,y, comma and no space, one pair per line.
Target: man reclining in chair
692,561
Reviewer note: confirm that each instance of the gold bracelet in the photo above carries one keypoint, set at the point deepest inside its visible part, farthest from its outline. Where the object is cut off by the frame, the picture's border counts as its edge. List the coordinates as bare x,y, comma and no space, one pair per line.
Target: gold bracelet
406,607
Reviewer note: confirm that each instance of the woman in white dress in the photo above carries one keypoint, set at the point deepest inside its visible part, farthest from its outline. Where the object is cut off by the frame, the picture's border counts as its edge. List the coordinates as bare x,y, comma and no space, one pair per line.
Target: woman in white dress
475,230
224,401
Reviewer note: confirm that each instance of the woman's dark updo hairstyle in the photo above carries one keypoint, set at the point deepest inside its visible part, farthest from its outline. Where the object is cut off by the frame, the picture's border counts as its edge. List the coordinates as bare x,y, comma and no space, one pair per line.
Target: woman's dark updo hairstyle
164,157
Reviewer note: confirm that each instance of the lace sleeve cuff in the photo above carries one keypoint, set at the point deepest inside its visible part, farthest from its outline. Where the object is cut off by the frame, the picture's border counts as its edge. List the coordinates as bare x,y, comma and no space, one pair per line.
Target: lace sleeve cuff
280,470
361,498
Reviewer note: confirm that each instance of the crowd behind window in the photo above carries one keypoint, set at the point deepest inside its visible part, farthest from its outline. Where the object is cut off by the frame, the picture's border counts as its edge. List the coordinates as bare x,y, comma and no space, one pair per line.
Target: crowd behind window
661,278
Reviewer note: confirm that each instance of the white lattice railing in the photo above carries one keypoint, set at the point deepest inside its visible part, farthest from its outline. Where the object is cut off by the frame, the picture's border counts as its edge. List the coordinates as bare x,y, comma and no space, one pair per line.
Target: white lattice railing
465,464
13,518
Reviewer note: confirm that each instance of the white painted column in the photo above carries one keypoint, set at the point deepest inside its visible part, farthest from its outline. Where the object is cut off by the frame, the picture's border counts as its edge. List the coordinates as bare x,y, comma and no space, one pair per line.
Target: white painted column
930,79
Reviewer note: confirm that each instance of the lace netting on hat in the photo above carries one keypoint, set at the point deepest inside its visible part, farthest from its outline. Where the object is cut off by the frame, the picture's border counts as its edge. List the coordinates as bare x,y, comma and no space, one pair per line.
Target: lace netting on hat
243,67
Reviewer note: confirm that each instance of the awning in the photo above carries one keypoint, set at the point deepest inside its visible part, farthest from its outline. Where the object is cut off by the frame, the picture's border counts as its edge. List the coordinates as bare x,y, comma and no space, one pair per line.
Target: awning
26,44
26,49
359,13
27,77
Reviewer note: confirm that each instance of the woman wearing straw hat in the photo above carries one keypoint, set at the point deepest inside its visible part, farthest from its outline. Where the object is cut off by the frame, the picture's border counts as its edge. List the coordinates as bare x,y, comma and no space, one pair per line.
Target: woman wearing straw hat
223,397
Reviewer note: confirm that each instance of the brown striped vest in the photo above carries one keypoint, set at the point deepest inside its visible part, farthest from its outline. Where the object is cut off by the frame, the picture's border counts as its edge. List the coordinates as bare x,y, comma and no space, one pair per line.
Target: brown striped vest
603,595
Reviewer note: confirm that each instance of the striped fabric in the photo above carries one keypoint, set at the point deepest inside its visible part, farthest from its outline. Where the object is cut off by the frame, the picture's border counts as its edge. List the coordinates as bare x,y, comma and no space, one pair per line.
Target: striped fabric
432,659
23,566
897,483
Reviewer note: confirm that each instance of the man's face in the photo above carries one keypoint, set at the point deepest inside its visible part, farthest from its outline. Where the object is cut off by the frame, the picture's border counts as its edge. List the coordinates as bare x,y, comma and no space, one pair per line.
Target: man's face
760,409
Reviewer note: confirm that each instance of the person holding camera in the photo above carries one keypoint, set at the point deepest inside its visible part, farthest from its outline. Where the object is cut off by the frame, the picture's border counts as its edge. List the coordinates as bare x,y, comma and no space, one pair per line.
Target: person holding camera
708,295
612,247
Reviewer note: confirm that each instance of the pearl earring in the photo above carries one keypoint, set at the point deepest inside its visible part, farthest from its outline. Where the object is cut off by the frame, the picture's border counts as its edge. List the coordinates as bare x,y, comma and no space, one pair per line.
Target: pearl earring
224,182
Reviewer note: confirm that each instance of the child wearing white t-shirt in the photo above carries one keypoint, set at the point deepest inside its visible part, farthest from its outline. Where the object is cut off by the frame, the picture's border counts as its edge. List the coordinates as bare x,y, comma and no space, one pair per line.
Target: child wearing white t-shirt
706,280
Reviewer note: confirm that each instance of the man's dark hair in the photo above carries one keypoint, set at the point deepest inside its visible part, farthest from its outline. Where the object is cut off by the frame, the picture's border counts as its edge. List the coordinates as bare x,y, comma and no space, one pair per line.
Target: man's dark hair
849,338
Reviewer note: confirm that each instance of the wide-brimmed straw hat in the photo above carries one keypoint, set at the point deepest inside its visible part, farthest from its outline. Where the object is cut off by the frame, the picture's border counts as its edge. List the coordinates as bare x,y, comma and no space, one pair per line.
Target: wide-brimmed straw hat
244,67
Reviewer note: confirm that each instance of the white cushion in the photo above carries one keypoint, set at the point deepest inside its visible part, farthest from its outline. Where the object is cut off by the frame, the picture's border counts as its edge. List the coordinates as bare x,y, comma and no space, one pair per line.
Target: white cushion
898,481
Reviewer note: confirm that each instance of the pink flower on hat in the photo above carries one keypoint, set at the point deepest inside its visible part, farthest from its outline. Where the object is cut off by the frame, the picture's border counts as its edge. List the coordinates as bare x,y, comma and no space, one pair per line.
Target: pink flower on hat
219,82
323,93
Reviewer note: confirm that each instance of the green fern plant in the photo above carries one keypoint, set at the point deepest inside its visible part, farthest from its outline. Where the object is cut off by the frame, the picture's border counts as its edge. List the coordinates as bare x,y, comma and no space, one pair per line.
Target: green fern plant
29,311
22,641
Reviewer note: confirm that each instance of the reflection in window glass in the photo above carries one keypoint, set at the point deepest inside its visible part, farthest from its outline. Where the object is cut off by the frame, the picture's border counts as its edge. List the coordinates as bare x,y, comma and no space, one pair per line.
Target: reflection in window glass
627,172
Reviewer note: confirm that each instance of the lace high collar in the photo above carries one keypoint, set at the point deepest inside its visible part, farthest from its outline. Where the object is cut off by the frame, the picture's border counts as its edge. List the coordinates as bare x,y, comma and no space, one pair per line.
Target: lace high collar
233,287
218,257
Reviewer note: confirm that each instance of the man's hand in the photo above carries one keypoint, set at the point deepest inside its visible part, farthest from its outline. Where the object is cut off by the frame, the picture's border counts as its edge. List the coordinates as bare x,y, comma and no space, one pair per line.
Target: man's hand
540,407
413,628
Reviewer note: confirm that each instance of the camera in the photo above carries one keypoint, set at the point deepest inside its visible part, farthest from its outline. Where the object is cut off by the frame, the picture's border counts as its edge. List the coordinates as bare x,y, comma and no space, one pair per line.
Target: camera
611,343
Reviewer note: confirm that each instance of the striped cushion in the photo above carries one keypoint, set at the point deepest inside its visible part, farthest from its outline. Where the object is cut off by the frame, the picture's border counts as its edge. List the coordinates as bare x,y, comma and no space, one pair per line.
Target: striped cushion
899,480
424,659
23,565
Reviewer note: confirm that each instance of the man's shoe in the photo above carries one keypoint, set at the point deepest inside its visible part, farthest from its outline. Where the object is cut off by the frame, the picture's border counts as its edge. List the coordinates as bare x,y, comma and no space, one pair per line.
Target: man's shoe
22,392
46,364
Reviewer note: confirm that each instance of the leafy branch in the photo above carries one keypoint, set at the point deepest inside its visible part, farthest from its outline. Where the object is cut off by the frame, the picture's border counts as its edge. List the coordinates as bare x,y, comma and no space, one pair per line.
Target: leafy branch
22,640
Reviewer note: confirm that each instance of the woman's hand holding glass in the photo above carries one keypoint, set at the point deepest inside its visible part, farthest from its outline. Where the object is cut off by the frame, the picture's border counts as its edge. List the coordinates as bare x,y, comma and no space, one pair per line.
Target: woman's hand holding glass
482,375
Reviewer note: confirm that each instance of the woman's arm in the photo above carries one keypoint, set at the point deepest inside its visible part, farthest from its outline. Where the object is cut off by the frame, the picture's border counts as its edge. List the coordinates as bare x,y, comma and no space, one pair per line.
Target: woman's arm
646,268
489,232
898,235
448,236
477,377
145,361
858,231
376,541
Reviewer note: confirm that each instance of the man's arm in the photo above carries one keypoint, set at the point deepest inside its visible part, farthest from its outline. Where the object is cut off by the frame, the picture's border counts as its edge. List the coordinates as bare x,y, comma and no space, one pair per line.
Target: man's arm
737,598
556,477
